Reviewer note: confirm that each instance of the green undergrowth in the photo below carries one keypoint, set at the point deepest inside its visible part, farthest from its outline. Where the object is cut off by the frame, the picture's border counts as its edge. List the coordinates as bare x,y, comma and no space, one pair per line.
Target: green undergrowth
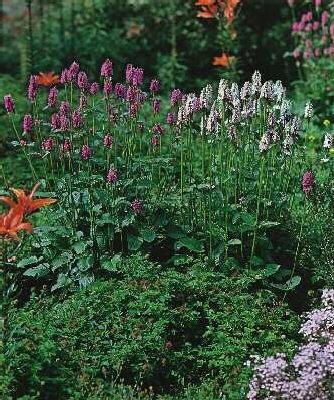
165,333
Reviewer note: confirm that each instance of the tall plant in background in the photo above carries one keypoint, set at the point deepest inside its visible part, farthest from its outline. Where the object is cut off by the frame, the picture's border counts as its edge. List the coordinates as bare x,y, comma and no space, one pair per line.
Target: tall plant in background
313,32
225,12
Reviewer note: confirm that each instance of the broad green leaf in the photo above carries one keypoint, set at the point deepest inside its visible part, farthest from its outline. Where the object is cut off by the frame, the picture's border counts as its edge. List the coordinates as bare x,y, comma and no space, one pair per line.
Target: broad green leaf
234,242
271,269
85,263
38,271
293,282
180,259
134,242
268,224
147,234
61,260
80,247
112,264
28,261
86,280
190,244
175,232
289,285
256,261
62,281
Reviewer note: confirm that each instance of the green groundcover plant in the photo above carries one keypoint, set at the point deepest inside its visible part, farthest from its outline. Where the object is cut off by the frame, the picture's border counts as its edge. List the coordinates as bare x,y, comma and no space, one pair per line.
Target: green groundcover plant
160,331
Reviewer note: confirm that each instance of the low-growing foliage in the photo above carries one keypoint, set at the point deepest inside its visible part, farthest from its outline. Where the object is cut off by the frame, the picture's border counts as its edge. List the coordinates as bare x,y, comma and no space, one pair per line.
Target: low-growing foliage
148,327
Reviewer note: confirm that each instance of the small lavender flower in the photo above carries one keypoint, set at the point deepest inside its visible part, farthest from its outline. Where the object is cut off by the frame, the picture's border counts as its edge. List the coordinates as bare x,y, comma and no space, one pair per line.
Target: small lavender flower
107,68
156,105
66,147
181,116
131,94
267,91
27,123
120,90
154,85
73,71
47,144
175,97
141,97
82,80
264,142
308,112
77,119
236,114
32,88
206,96
287,144
107,88
295,127
223,90
137,76
279,91
141,126
112,175
64,108
52,97
158,129
83,101
256,82
307,182
133,109
64,77
137,206
171,118
129,72
235,94
328,141
85,152
94,88
64,122
107,141
155,140
112,115
232,133
212,124
245,91
9,103
55,122
271,119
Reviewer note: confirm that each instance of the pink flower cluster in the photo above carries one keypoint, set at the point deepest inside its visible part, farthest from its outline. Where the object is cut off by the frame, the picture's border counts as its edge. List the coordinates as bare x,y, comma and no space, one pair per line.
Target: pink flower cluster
315,33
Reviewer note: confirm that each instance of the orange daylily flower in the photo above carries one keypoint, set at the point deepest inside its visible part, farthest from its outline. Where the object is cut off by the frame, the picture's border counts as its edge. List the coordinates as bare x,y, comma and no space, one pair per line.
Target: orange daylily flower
27,202
47,78
209,8
229,8
205,2
12,223
223,61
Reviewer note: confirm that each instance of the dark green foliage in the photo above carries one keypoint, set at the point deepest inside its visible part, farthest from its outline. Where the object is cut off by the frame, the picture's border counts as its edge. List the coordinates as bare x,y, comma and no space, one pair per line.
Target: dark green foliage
152,327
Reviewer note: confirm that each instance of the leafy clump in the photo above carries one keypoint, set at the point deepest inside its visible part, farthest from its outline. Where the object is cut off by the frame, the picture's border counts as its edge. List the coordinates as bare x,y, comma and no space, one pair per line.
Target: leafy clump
150,328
